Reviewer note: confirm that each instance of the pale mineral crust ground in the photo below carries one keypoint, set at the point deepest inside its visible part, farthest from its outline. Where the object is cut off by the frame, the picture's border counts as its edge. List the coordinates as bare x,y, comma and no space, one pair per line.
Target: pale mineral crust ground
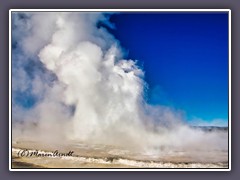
106,156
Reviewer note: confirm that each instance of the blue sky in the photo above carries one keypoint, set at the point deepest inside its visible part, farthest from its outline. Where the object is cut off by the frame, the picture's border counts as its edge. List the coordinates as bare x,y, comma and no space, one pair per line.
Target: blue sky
184,56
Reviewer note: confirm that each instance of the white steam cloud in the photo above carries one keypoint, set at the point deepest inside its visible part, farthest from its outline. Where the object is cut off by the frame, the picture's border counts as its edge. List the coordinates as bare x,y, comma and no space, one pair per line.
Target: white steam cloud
84,90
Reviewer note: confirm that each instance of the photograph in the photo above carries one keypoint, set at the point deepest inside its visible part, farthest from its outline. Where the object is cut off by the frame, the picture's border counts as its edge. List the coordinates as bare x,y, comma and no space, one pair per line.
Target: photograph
119,90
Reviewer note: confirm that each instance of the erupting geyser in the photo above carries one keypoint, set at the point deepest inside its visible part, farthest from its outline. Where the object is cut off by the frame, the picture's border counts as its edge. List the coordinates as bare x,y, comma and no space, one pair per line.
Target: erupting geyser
86,90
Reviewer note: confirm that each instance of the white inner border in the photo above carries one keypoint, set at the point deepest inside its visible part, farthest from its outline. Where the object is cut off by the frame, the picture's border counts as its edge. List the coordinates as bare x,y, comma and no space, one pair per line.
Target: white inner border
122,10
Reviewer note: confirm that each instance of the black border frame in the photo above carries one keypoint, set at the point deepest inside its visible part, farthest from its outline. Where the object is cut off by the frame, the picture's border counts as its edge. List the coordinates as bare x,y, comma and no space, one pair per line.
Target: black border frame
5,5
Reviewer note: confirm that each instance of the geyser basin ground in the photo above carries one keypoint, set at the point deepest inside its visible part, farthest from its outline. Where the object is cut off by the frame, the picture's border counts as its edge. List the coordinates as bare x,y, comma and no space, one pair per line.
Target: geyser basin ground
107,156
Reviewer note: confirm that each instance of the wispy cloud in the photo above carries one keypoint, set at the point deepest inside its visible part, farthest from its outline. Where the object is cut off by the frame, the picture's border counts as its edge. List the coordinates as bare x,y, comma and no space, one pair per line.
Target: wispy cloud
213,122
